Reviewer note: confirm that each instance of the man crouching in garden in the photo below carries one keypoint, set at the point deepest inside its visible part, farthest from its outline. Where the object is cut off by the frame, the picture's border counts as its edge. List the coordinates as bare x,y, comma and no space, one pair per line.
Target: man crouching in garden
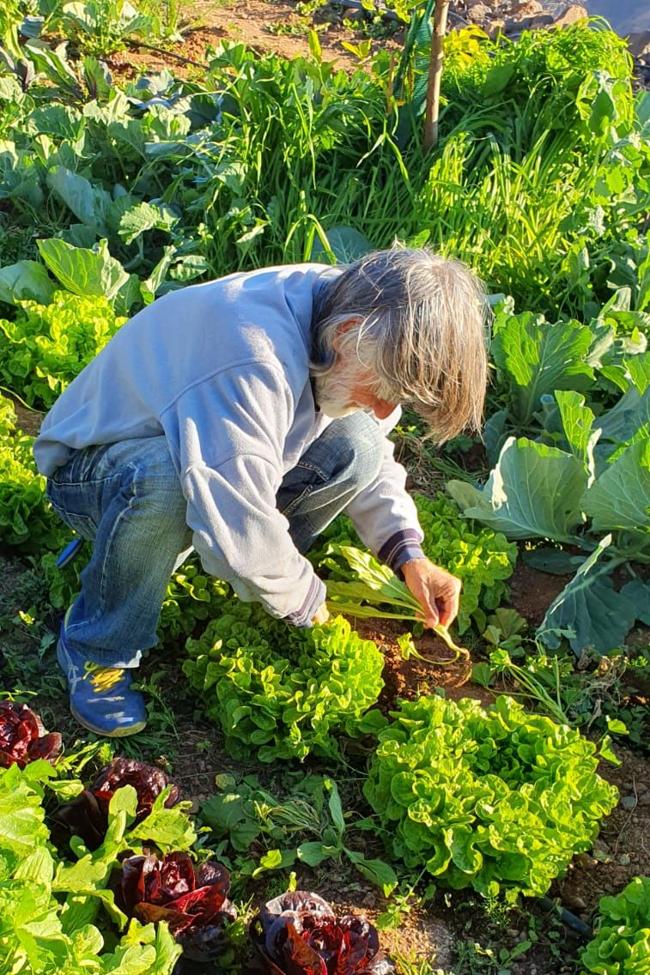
238,418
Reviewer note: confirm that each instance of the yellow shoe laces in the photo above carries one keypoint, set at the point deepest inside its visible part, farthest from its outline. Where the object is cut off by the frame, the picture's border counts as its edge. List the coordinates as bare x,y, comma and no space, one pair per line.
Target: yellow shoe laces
103,678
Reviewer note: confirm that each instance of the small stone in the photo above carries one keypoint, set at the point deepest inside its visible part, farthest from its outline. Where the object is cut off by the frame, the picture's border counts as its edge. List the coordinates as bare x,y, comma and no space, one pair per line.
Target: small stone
495,27
573,901
644,799
478,13
639,44
629,802
624,860
325,15
529,8
535,23
194,808
355,15
571,15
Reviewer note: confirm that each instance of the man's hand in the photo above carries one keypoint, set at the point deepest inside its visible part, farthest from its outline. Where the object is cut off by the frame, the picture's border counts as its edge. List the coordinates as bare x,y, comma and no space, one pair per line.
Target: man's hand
321,615
437,591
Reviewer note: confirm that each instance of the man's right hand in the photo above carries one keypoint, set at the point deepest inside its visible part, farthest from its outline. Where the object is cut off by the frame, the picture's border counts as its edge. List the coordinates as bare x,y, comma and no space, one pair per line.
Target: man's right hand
321,615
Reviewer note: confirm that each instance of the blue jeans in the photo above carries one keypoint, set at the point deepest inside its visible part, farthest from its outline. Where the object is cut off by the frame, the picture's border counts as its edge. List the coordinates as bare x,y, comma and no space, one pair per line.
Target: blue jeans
126,498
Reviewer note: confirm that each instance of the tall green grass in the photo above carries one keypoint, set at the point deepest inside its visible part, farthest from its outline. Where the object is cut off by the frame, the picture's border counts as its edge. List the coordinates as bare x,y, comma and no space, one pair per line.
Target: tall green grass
540,170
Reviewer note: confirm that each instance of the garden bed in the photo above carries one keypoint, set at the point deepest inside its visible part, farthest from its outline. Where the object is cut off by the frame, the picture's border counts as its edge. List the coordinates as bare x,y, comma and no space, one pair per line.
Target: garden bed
554,216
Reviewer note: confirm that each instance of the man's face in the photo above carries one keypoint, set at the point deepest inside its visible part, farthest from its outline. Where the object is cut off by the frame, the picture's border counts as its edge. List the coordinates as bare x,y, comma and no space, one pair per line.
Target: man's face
349,387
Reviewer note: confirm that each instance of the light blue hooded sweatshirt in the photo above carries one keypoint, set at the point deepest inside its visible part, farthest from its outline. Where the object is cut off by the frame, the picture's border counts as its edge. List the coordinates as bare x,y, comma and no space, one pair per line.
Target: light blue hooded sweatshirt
222,370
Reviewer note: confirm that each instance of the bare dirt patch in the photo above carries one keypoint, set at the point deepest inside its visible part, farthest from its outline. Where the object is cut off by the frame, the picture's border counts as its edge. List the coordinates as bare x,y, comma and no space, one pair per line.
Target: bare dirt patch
265,26
532,592
29,420
622,851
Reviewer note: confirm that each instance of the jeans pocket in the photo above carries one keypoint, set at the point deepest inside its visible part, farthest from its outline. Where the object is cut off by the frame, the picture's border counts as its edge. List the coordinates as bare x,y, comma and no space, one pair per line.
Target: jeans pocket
81,523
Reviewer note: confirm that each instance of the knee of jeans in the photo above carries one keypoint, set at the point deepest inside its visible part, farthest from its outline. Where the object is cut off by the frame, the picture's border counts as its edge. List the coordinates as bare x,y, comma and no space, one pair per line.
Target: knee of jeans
362,449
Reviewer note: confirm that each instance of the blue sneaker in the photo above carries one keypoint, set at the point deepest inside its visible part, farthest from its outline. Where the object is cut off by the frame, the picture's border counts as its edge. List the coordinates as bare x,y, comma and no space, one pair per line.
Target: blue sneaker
101,698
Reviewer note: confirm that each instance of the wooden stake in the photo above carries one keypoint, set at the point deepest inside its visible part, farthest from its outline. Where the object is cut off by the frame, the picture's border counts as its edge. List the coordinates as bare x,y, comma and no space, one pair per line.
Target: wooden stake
435,74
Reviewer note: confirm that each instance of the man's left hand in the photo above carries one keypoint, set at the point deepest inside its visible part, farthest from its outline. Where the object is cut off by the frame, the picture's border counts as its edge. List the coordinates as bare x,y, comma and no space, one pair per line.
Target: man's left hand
437,591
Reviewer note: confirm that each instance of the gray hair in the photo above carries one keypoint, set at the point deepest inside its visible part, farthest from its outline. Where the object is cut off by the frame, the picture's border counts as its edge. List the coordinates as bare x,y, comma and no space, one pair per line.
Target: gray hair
420,329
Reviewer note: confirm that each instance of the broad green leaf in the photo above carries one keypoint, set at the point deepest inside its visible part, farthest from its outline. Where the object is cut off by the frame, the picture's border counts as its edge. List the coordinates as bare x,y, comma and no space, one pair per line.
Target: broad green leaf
616,726
553,560
145,216
638,368
344,244
588,611
21,819
37,868
125,799
52,63
378,872
638,592
534,490
129,953
25,280
535,358
313,853
83,271
577,422
275,860
620,498
626,418
88,203
86,876
334,804
169,829
607,752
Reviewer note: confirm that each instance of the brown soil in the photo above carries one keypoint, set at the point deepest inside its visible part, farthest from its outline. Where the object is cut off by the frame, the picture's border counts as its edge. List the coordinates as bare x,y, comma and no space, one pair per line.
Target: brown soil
622,851
264,26
29,421
411,678
532,592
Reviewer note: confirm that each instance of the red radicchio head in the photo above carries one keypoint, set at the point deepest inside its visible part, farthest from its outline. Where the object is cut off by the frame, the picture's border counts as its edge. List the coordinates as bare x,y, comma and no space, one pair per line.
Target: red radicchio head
299,934
87,814
193,900
23,738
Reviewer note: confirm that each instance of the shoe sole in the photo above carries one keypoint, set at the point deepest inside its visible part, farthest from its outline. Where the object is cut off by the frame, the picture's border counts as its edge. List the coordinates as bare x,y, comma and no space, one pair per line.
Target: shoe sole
118,733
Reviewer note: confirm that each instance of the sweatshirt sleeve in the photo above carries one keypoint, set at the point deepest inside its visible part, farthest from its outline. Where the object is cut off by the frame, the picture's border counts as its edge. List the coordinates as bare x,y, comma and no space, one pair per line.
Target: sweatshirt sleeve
384,513
230,430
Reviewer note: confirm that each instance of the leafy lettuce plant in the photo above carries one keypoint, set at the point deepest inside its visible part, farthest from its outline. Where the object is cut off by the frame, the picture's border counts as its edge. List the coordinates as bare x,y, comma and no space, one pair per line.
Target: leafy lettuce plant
23,737
298,933
497,799
480,557
192,900
86,815
192,598
26,518
621,945
46,346
282,691
51,919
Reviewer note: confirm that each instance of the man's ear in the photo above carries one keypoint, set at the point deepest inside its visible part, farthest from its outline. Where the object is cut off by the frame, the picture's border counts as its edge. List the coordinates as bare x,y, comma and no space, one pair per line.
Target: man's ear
341,328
